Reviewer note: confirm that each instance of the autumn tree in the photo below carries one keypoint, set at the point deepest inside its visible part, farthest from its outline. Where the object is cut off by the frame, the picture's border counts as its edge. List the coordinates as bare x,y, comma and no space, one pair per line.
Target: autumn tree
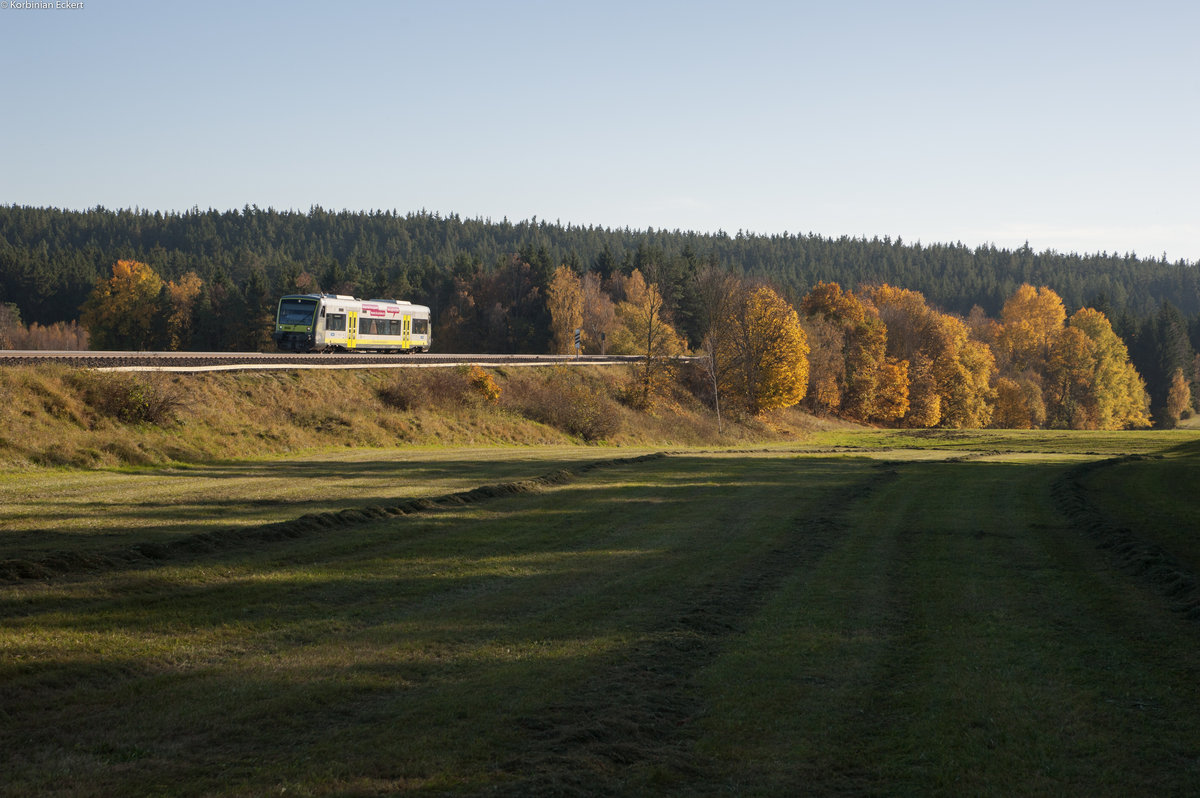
848,350
1090,383
59,336
891,392
1179,398
645,332
122,311
716,292
1120,394
950,374
1031,319
564,300
963,369
180,304
1018,404
826,365
1068,381
768,352
599,315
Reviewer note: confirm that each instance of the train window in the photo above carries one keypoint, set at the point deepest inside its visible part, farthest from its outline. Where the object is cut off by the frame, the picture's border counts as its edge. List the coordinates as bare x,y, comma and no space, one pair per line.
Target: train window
297,311
335,322
420,326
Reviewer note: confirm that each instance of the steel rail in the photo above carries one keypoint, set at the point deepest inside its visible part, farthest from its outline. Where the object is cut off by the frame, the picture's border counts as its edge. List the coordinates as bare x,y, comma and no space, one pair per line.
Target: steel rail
230,361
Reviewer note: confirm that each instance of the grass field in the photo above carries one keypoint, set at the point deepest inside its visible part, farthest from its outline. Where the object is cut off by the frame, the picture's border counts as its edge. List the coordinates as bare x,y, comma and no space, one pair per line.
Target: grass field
864,614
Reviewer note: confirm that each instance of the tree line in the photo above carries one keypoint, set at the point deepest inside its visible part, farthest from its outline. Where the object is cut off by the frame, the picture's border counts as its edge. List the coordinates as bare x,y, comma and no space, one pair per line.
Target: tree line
882,355
492,279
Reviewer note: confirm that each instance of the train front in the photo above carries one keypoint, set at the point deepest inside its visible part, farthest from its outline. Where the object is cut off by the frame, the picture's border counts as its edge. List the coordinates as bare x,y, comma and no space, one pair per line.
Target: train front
296,323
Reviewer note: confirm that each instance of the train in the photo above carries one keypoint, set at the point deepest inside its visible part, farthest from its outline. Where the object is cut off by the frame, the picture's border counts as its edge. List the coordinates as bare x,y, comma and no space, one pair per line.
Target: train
334,322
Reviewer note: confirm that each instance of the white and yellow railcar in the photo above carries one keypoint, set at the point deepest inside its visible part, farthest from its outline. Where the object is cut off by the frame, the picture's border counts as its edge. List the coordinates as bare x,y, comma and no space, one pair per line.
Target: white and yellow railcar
329,322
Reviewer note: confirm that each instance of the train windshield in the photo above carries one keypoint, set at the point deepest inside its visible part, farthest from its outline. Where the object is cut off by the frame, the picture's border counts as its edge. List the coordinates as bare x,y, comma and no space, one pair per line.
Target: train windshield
295,310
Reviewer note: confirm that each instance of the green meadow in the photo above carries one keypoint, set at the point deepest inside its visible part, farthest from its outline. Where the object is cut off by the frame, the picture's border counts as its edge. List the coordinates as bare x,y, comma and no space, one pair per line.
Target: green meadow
852,613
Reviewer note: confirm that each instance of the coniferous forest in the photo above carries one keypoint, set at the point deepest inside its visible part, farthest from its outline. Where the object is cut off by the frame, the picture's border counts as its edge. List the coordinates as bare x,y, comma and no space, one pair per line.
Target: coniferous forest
238,262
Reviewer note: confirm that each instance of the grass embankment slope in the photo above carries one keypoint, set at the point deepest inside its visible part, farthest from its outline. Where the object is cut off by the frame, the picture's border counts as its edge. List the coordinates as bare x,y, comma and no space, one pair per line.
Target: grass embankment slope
54,416
850,613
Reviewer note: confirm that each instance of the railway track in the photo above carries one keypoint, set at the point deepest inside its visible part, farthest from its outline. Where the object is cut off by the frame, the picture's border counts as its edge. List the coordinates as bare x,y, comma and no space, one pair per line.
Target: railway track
231,361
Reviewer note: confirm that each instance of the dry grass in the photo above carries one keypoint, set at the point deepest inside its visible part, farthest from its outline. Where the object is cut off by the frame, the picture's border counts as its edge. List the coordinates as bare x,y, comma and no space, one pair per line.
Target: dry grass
54,416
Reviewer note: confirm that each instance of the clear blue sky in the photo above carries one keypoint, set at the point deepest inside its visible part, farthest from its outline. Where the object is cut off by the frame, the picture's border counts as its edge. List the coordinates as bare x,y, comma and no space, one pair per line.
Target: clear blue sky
1073,125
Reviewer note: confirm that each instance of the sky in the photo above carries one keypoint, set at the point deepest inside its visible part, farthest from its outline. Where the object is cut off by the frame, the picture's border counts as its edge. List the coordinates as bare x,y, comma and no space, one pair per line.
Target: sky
1073,126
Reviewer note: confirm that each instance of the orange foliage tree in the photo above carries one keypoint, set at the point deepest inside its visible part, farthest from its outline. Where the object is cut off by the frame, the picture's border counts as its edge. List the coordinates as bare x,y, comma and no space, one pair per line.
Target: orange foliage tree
848,356
950,373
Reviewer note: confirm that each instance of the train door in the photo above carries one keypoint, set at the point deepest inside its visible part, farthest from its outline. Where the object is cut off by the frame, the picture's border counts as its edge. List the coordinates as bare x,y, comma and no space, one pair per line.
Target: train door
352,330
320,332
406,332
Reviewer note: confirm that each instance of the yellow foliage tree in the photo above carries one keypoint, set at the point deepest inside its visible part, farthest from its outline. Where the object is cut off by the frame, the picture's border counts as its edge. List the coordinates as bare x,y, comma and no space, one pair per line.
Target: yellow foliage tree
849,343
1068,381
122,311
924,401
1032,319
826,364
643,331
1179,397
951,373
963,369
181,298
1115,396
769,351
1018,404
564,299
891,397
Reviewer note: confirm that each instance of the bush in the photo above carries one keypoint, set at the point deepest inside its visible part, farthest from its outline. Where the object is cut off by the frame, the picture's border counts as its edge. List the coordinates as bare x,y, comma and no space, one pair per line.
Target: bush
404,394
129,398
564,402
439,387
483,384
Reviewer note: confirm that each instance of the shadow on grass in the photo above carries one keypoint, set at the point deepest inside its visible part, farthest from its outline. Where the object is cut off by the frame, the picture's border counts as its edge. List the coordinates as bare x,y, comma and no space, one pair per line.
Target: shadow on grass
167,530
546,642
534,640
153,505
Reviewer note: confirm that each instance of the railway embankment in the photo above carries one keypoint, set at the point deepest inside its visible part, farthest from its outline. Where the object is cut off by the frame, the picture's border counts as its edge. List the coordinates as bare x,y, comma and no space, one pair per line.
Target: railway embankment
55,416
